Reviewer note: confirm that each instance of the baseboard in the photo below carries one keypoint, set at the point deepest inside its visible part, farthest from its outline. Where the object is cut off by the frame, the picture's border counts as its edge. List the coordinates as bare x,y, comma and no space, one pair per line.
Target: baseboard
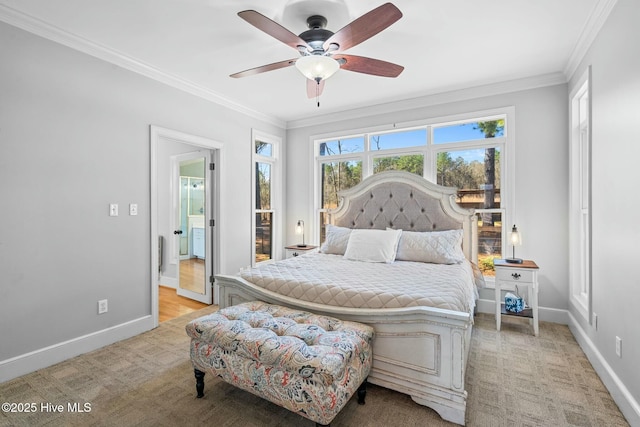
47,356
629,407
169,282
545,314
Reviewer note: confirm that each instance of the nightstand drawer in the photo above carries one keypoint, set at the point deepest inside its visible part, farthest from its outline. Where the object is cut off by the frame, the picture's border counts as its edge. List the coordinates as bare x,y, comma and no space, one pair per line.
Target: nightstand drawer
295,250
514,275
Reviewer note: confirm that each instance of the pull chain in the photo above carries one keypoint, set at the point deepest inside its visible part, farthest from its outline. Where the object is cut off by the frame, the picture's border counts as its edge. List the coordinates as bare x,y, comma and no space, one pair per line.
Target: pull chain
318,91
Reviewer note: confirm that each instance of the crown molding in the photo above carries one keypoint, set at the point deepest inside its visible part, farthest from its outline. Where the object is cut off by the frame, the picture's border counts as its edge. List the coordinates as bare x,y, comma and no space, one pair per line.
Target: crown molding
43,29
592,27
439,98
51,32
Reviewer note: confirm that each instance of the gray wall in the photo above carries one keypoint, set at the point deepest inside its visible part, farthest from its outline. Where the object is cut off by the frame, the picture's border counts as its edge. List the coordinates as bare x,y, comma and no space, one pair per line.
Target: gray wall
74,137
615,60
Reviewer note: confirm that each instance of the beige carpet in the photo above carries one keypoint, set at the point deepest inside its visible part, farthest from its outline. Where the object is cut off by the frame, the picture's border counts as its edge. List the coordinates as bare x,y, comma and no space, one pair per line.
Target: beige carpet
513,379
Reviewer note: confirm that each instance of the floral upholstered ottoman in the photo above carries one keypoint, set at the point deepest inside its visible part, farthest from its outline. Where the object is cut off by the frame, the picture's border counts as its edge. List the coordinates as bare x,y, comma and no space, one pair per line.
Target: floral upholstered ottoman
306,363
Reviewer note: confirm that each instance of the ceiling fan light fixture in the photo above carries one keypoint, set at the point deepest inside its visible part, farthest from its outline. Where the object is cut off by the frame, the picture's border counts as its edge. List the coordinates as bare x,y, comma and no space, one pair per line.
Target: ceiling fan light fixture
317,67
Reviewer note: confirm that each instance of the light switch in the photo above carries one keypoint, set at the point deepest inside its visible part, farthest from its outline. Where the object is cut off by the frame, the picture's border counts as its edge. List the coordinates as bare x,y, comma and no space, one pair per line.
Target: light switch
113,209
133,209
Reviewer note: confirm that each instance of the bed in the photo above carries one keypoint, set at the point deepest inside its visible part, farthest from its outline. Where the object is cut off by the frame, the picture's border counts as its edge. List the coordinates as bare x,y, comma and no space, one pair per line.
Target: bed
421,340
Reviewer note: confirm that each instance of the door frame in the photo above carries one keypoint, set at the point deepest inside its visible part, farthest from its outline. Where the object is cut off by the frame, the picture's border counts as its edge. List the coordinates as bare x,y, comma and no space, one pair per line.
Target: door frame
157,135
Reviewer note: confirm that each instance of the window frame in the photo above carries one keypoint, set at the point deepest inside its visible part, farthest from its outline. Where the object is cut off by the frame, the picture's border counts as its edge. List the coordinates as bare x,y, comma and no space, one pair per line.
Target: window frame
580,210
276,193
506,143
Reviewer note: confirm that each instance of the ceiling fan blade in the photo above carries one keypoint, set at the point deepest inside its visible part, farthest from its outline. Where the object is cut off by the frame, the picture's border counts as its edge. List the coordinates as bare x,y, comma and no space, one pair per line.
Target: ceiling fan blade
272,28
314,89
365,27
362,64
265,68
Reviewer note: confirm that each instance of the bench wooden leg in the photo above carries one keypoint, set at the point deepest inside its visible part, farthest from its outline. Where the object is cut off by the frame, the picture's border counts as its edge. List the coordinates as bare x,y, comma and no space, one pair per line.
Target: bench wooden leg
362,392
199,382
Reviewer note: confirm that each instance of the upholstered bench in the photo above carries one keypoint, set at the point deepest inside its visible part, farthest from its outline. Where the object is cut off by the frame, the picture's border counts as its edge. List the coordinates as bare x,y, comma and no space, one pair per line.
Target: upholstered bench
306,363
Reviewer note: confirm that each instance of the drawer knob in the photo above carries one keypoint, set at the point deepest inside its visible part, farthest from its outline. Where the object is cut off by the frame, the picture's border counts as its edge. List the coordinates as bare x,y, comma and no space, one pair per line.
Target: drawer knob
515,275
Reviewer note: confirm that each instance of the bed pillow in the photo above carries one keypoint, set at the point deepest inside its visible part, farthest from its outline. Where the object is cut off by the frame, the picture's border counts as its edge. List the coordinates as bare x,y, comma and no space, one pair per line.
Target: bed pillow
336,240
373,245
438,247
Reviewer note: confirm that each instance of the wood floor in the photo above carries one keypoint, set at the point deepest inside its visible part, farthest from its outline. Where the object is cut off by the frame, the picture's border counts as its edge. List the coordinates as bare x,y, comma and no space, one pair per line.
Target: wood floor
192,272
172,305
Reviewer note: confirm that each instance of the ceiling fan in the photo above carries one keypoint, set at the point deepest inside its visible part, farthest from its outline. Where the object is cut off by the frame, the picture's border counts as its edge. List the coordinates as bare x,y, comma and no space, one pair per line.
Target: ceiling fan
321,50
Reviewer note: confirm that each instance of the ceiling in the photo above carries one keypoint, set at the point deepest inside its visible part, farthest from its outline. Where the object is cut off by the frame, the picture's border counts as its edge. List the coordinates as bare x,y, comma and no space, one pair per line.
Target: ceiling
444,45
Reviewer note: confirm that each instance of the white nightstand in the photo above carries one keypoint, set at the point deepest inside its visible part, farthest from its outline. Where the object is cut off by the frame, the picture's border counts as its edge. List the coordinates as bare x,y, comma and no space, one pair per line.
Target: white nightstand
524,275
295,250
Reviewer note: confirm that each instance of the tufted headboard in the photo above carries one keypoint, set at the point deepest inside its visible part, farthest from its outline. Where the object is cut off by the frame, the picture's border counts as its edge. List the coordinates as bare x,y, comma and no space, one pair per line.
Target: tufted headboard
406,201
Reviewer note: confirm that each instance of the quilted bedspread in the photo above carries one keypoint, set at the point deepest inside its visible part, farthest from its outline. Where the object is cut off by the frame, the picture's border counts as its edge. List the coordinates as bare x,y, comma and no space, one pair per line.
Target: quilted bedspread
334,280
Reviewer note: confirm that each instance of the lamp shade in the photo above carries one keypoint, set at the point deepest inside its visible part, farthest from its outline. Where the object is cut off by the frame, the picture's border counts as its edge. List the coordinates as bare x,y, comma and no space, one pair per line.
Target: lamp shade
516,238
317,67
300,230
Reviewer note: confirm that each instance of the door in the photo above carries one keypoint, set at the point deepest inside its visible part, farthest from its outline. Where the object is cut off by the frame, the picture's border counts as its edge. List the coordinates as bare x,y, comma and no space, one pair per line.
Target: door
192,234
164,145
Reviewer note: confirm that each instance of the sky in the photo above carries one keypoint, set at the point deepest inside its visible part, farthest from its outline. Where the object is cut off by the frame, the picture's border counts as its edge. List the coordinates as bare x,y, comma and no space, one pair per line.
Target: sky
415,138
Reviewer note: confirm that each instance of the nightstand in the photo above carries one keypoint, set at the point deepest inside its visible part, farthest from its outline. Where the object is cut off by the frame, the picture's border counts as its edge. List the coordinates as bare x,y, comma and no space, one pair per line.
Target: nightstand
524,275
295,250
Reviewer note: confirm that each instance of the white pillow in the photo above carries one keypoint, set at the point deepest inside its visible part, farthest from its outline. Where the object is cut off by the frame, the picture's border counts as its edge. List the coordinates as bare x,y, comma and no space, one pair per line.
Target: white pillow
438,247
373,245
336,240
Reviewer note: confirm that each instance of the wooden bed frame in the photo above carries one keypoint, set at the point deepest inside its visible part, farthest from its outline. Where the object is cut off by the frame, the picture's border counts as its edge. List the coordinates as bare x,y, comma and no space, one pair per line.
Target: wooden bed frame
419,351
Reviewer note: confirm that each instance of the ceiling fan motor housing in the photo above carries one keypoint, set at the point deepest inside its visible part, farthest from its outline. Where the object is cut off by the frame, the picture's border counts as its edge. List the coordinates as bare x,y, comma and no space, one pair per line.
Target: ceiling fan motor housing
316,35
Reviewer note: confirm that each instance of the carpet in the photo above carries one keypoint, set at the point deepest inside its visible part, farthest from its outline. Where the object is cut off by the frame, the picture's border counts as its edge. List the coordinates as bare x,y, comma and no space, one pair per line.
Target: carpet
513,379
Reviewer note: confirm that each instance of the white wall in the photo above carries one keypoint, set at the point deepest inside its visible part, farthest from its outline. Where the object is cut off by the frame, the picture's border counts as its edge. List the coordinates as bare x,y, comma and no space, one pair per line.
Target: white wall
74,137
540,174
615,60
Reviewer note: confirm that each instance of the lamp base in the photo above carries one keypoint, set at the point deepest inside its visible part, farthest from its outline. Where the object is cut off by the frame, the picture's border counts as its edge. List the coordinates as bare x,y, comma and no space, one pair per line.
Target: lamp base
514,260
304,246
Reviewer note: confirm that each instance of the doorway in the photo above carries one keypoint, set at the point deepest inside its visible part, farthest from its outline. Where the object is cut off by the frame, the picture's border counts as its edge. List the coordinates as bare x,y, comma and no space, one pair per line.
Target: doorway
184,230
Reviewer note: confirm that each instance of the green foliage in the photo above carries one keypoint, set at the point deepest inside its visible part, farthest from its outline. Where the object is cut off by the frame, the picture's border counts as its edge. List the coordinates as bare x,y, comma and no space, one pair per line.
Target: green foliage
492,128
486,263
413,163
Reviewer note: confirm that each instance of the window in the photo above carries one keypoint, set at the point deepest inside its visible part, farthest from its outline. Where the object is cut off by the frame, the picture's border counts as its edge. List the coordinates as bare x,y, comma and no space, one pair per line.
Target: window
467,154
265,196
580,198
337,174
476,175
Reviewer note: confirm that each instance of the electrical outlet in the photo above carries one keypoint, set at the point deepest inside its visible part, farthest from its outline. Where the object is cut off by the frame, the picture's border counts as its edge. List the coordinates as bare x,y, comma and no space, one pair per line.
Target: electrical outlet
619,346
103,307
133,209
